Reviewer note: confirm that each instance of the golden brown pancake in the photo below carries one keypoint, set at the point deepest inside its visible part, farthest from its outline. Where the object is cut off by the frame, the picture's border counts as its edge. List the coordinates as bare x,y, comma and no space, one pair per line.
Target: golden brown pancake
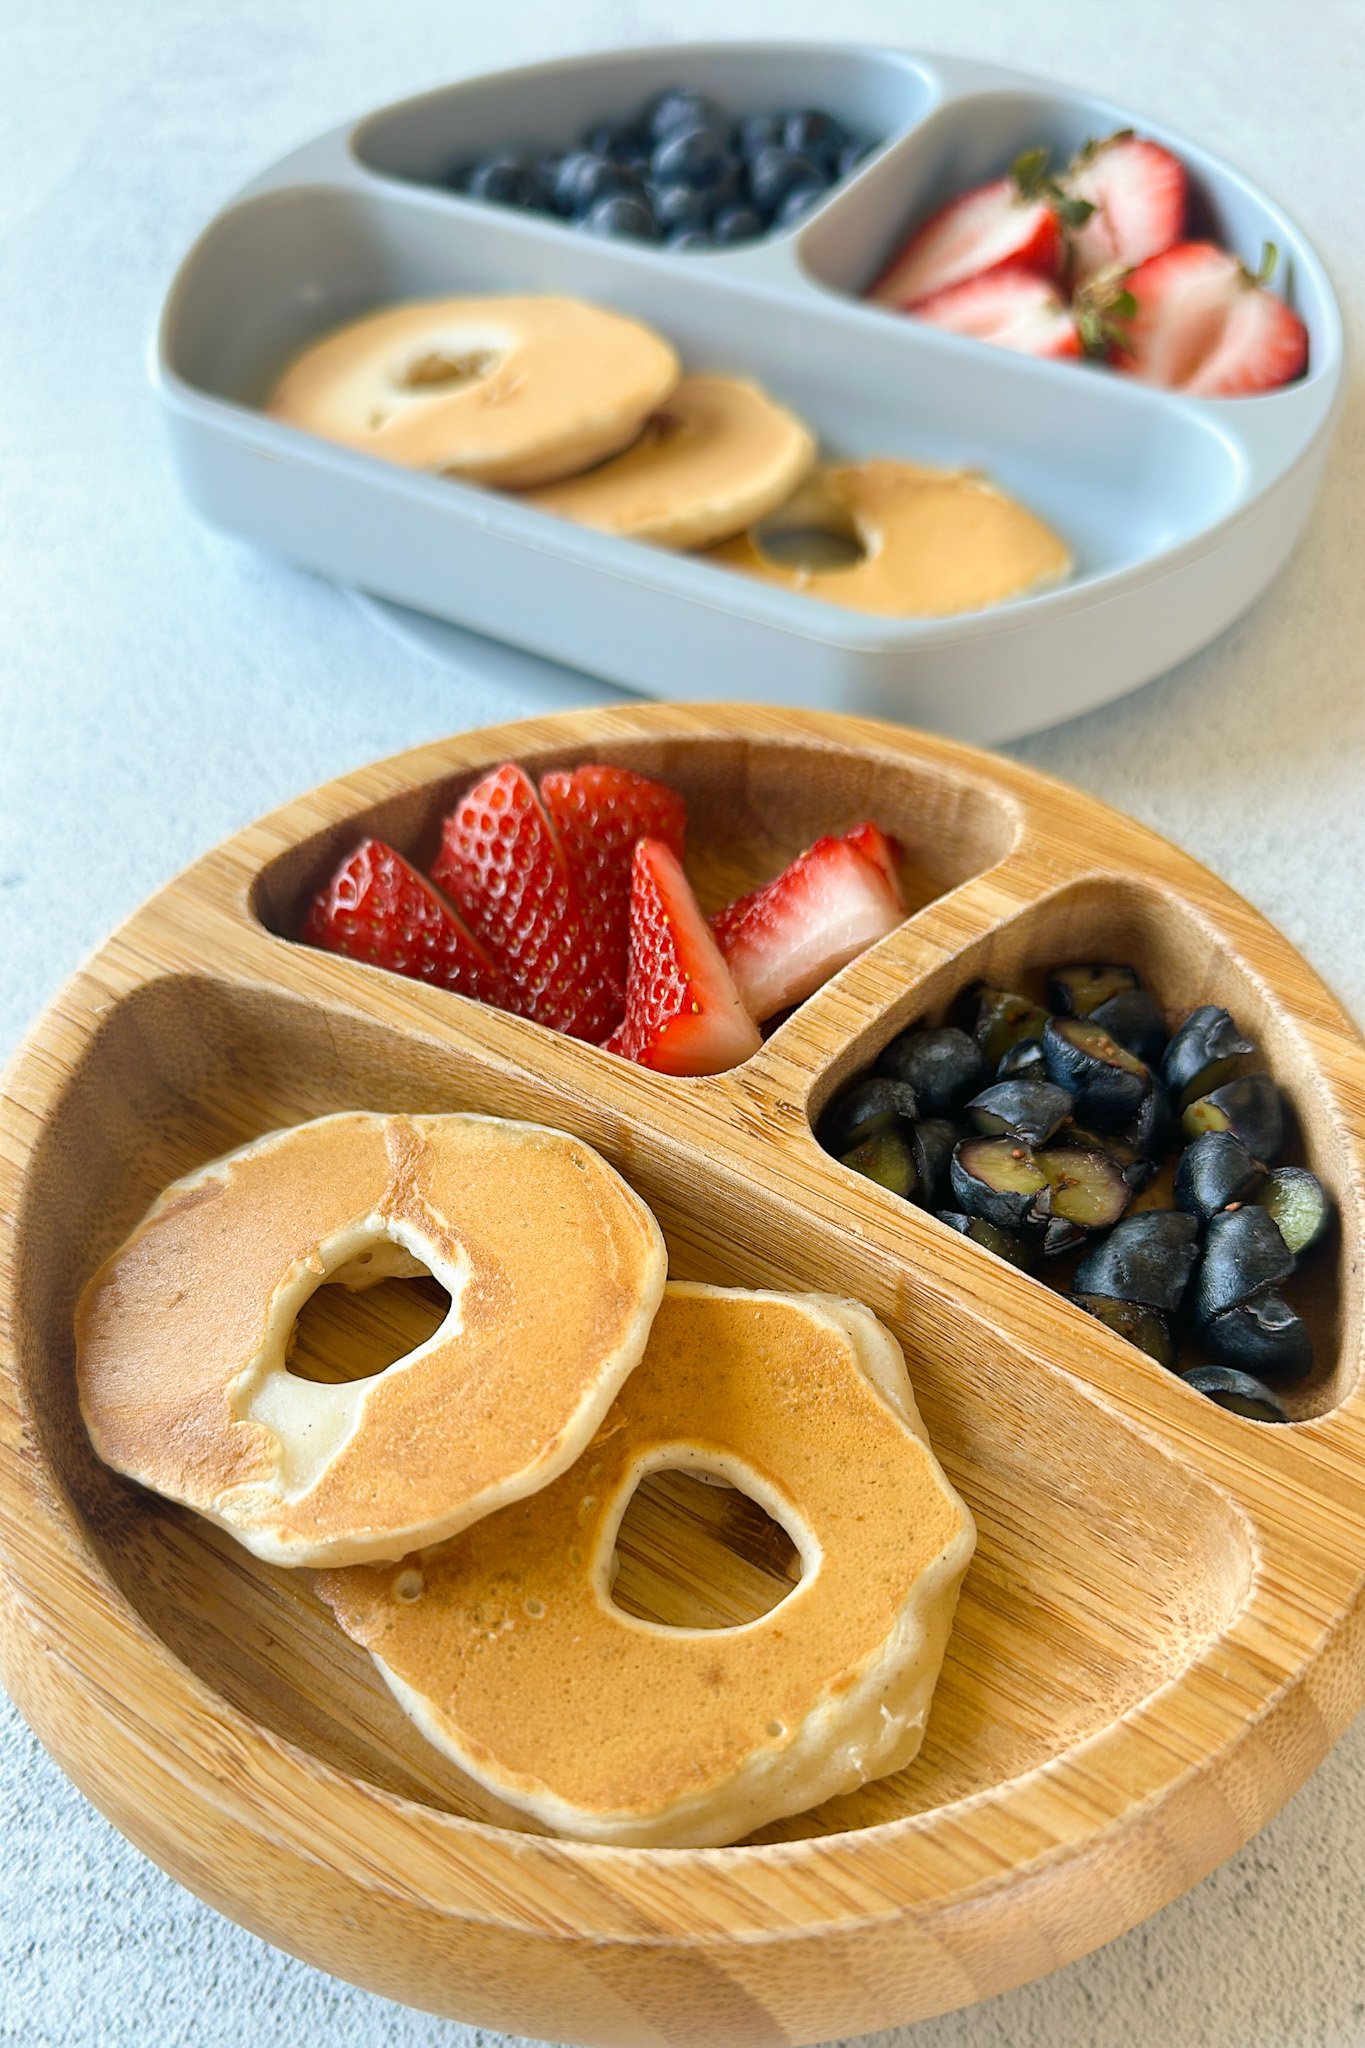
932,542
554,1268
506,1648
512,391
717,456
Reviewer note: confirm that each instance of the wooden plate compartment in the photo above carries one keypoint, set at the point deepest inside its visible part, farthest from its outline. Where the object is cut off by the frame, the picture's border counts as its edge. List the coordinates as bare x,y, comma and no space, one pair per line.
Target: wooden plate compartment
1161,1632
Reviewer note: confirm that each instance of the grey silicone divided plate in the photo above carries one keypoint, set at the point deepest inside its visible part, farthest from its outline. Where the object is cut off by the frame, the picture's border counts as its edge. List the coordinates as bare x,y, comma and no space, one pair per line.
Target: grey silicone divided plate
1178,511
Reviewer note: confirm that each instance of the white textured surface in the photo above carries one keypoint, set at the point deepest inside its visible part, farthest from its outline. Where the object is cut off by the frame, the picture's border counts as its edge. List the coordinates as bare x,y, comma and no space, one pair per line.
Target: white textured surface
160,686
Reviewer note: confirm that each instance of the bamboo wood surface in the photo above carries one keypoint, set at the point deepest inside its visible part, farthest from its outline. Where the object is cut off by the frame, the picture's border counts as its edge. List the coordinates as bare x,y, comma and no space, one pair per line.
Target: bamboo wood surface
1161,1633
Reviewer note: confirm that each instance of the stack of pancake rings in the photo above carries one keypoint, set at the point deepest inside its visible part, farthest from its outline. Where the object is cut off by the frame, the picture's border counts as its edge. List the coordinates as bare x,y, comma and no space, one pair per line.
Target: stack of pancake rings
462,1505
587,413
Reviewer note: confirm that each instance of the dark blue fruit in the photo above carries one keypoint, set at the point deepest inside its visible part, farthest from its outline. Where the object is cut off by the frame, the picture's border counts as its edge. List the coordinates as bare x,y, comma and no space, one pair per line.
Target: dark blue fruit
796,206
505,180
618,141
584,179
697,156
850,156
759,132
810,132
678,207
547,170
779,171
682,107
622,213
737,224
689,238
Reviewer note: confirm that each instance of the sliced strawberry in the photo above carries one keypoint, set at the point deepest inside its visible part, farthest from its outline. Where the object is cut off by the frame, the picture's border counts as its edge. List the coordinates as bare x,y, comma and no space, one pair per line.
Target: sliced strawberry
502,863
783,940
379,909
599,812
1205,325
983,230
1014,308
683,1012
1140,195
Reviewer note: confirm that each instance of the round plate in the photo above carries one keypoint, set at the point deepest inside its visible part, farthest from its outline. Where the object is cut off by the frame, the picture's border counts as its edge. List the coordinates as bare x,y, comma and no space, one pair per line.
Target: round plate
1164,1625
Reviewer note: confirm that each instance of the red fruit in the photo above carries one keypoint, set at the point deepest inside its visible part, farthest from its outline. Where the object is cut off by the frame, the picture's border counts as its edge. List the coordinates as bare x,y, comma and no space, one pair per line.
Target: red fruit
983,230
1140,194
782,941
1205,325
378,908
599,812
502,863
683,1012
1013,308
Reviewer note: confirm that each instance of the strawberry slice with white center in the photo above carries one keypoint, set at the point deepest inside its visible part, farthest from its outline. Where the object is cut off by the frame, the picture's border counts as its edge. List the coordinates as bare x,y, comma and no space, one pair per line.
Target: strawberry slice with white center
599,812
377,908
983,230
781,942
1012,308
1205,325
1140,194
504,866
683,1011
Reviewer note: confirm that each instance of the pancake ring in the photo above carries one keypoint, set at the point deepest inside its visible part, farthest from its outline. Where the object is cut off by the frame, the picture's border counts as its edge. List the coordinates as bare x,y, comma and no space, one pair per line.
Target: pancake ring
694,1737
554,1268
512,391
717,456
934,542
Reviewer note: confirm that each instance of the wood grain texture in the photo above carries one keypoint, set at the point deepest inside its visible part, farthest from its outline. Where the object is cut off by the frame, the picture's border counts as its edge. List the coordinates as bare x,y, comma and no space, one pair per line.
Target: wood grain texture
1161,1633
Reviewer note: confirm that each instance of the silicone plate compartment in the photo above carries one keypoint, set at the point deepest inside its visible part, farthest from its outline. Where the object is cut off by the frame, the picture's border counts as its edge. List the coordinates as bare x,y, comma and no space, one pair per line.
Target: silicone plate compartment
1201,498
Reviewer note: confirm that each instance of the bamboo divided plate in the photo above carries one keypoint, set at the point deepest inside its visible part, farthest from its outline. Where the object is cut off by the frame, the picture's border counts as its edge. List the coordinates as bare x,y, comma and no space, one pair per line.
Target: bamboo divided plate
1161,1633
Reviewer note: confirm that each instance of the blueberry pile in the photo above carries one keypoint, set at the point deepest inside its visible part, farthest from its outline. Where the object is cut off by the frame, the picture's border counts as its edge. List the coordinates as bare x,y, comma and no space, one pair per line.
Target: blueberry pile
682,172
1084,1137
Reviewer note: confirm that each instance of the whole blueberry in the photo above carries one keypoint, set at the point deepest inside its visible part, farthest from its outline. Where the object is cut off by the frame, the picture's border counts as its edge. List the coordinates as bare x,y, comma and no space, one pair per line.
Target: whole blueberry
812,132
679,206
737,224
851,155
689,238
780,171
682,107
618,141
547,170
759,132
797,204
506,180
697,156
584,179
622,213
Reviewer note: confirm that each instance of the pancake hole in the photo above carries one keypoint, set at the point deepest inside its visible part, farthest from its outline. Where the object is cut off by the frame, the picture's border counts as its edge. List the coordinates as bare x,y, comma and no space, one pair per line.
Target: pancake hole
535,1608
818,548
443,371
694,1551
409,1585
348,1333
776,1730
